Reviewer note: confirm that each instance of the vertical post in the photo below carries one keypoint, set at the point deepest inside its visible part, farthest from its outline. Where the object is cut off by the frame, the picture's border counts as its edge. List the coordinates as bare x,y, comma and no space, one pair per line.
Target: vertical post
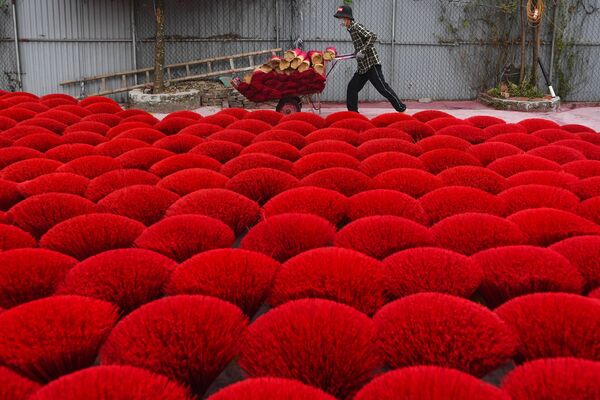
536,52
523,44
294,21
277,23
17,51
159,47
393,71
554,22
133,38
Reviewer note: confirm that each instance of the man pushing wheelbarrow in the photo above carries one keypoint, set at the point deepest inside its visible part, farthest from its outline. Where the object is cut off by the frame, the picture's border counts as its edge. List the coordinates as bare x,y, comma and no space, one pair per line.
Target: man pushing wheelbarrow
299,75
369,65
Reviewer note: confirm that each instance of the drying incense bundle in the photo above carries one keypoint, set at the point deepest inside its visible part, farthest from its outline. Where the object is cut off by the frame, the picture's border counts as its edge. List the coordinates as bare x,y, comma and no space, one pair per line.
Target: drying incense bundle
319,68
330,53
266,68
304,66
291,54
316,57
299,60
292,83
284,64
296,74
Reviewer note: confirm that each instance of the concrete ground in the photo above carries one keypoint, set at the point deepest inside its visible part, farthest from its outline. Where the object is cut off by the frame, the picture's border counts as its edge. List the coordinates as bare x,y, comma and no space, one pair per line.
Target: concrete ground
573,113
569,114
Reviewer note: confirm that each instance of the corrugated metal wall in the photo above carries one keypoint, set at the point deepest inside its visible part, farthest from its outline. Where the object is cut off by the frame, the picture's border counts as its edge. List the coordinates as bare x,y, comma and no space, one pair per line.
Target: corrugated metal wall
70,39
214,29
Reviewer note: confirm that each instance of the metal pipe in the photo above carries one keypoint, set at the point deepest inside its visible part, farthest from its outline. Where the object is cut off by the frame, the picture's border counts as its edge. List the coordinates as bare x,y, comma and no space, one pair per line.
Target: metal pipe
556,5
548,82
66,40
424,44
258,40
132,11
128,40
393,71
277,23
17,51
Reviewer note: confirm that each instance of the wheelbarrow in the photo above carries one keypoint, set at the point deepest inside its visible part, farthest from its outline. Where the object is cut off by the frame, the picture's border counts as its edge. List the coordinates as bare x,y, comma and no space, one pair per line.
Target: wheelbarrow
291,100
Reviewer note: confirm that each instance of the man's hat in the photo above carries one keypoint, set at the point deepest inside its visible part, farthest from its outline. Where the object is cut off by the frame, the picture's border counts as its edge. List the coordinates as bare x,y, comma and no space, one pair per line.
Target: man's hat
344,12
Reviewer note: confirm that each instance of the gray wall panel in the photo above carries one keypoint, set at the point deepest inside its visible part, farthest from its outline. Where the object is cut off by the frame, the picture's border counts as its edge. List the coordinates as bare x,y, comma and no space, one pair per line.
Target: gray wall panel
46,64
71,39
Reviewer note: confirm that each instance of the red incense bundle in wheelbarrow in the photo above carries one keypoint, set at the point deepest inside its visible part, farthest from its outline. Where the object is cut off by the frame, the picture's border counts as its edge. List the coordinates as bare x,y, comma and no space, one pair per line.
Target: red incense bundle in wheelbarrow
272,85
288,79
262,70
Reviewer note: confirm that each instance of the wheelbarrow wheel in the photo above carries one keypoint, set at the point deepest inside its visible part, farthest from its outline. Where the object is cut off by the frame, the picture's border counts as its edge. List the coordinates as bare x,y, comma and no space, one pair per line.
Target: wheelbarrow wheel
289,105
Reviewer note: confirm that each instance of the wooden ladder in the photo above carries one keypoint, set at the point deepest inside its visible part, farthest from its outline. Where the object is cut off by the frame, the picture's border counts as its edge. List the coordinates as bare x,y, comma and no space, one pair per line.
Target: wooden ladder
129,80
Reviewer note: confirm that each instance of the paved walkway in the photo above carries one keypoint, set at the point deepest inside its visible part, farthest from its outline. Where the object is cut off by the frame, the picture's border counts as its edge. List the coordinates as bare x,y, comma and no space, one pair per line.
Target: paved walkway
569,114
588,116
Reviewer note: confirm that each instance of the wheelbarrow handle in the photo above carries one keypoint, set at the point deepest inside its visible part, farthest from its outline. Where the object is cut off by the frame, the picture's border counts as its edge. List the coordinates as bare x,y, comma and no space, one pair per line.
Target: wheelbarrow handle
345,57
339,58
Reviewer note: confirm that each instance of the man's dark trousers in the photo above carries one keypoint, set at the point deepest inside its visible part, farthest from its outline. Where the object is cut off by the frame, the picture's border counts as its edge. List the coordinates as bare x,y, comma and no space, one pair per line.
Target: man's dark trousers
375,76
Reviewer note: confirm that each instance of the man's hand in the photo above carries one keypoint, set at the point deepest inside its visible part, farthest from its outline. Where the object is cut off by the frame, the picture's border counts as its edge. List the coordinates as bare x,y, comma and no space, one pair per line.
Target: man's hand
360,55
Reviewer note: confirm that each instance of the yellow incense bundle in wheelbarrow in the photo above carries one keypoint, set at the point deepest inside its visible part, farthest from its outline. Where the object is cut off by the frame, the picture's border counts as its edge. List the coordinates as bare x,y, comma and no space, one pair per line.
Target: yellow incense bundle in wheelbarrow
319,69
284,65
300,58
291,54
266,68
304,66
316,57
330,53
